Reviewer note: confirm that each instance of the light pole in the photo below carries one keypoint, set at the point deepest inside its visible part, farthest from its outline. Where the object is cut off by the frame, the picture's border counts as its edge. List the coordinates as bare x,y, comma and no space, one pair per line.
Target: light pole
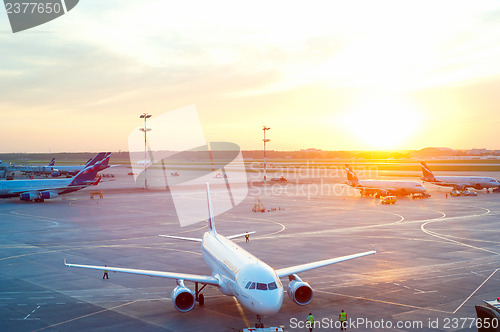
145,116
265,141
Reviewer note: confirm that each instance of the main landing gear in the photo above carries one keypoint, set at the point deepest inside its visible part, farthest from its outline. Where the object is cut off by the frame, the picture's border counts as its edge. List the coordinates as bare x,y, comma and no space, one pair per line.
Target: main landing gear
199,297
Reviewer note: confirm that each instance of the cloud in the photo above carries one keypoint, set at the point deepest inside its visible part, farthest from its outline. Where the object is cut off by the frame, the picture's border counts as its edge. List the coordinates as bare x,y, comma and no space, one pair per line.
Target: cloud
107,61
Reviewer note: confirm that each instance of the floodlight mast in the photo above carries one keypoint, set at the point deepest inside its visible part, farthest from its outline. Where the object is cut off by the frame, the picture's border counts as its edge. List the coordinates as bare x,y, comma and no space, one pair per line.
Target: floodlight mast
265,141
145,116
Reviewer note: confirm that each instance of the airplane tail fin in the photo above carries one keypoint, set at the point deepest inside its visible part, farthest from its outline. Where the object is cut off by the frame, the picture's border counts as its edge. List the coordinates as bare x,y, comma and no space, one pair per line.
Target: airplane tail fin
211,225
428,176
351,176
98,157
87,175
52,162
104,163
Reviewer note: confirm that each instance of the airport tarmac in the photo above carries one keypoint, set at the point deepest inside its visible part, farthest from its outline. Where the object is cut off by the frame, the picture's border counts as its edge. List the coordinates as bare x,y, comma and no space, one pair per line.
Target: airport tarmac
436,259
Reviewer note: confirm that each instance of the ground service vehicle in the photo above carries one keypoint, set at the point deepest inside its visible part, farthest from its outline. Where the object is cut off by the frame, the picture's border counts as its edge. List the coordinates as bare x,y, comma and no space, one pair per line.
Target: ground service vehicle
389,200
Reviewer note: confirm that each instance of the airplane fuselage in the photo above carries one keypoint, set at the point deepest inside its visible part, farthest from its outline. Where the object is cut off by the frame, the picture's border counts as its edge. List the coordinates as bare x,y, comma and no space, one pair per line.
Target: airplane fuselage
11,188
393,187
237,269
465,182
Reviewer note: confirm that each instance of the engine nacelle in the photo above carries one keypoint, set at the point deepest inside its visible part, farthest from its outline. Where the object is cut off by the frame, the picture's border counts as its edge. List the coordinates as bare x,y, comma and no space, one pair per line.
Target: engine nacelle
182,297
28,196
48,194
300,292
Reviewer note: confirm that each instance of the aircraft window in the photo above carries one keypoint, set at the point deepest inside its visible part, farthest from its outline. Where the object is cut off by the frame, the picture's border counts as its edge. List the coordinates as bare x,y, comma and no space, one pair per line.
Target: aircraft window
252,286
248,284
261,286
272,286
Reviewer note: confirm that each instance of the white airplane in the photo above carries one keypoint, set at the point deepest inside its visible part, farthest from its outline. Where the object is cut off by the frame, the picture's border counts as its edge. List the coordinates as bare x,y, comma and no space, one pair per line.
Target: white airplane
236,273
383,187
40,190
458,182
55,170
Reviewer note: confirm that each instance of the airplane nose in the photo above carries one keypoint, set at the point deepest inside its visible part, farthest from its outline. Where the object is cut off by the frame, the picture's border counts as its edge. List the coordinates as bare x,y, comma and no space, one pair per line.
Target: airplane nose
272,302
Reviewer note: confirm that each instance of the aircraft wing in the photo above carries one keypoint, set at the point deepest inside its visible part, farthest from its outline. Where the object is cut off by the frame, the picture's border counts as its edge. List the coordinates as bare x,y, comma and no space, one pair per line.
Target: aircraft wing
314,265
182,238
172,275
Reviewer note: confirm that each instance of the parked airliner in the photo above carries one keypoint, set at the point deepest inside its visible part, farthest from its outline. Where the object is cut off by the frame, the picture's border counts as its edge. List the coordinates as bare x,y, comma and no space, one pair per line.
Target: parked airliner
58,170
383,187
236,272
458,182
40,190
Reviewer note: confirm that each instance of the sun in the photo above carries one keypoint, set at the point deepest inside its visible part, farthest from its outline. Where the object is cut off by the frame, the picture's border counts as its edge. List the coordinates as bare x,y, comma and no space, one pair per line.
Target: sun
382,122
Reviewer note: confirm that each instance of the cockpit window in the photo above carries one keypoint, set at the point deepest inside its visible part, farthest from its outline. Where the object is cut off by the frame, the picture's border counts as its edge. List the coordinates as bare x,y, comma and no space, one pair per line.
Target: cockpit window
261,286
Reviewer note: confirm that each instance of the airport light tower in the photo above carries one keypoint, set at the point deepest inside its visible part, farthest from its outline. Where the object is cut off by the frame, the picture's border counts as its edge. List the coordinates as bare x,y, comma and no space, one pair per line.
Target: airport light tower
145,116
265,141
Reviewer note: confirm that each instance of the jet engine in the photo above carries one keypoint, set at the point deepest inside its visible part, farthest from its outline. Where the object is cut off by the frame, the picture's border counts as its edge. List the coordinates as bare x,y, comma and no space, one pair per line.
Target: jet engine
299,291
28,196
182,297
48,194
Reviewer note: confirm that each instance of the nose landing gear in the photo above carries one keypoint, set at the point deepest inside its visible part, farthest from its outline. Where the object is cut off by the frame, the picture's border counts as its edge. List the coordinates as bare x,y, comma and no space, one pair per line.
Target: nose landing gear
259,323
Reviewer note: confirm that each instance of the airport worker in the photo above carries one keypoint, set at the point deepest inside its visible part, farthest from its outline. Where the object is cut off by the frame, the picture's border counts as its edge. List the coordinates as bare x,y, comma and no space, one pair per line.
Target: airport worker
105,274
310,322
343,320
247,237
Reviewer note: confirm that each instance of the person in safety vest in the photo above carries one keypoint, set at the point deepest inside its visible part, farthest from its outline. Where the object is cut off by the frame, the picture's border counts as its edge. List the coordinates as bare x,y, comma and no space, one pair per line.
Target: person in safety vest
310,322
343,320
105,276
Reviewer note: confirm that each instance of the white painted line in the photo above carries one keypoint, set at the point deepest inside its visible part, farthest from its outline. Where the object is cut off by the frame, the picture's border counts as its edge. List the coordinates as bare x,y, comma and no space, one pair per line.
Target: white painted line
31,313
242,313
474,292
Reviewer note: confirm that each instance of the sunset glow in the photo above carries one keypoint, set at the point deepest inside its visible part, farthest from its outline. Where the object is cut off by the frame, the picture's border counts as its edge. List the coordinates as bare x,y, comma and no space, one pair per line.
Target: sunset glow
382,122
331,75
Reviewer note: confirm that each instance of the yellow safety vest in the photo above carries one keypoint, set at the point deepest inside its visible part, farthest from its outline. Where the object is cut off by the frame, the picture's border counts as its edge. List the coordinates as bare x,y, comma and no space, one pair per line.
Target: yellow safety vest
311,318
343,316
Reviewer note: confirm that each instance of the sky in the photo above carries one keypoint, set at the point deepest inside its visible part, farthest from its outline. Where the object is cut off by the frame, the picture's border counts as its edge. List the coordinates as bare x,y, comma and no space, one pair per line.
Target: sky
332,75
